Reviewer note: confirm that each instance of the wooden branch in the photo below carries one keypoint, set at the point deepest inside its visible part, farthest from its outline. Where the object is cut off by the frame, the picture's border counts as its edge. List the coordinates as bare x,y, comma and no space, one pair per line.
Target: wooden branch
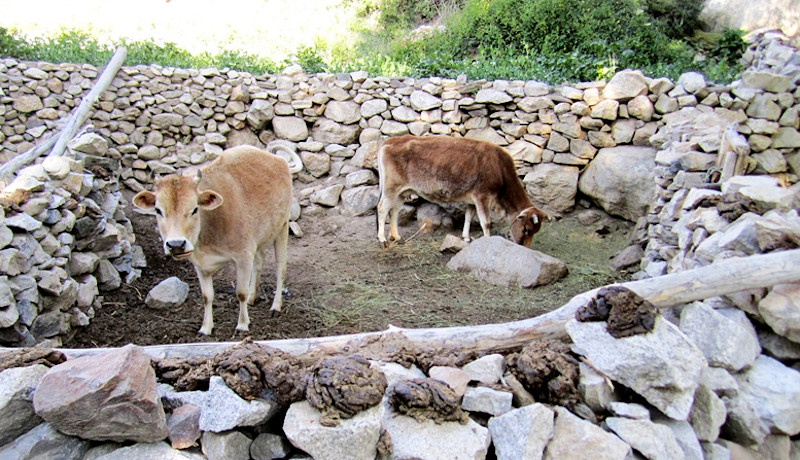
85,107
76,120
13,165
721,278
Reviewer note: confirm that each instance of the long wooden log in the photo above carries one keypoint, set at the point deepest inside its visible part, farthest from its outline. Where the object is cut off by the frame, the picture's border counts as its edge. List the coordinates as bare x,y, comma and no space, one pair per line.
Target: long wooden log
85,107
13,165
721,278
59,142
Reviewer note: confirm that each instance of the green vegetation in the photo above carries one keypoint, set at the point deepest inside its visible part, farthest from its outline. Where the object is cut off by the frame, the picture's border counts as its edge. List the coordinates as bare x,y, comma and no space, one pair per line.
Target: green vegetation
547,40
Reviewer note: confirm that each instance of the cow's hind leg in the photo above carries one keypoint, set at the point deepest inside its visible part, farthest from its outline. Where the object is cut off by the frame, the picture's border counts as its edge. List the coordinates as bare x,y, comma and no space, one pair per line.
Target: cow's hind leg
244,277
483,216
207,291
281,257
467,222
388,206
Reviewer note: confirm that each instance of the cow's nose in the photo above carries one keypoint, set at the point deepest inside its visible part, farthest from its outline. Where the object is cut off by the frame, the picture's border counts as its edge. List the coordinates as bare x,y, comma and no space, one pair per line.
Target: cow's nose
176,245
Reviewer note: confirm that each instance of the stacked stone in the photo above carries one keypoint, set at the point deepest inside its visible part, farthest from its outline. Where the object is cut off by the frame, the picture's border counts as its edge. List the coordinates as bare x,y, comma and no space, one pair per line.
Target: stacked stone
763,110
64,238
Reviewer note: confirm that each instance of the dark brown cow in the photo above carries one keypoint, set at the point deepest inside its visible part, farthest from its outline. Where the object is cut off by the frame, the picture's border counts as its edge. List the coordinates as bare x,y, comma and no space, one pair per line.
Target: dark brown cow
231,211
448,169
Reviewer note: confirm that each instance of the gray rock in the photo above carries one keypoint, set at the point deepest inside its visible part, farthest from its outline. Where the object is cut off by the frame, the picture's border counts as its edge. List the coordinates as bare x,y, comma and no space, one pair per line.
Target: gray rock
260,113
492,96
726,340
347,112
290,128
361,200
427,440
354,438
654,441
621,180
268,446
105,397
684,435
328,131
44,442
486,369
594,389
421,100
172,292
486,400
522,433
17,385
149,451
629,410
708,414
773,390
743,424
553,186
502,262
224,410
107,276
573,437
232,445
780,309
625,85
373,107
328,196
663,366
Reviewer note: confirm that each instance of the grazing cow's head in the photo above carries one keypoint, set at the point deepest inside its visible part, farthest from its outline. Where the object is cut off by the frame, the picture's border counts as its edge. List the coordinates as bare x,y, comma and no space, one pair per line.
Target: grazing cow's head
177,204
526,224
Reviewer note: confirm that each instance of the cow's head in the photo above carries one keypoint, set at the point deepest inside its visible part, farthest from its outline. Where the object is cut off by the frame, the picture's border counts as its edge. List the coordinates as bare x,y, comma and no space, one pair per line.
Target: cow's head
177,202
526,224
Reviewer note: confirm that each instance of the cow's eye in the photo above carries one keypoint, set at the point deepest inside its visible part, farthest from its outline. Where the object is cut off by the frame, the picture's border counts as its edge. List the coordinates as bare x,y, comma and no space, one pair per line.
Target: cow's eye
159,212
194,211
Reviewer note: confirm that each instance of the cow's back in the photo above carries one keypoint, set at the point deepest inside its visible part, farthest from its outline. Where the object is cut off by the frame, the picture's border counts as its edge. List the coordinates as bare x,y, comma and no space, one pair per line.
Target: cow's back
457,165
256,188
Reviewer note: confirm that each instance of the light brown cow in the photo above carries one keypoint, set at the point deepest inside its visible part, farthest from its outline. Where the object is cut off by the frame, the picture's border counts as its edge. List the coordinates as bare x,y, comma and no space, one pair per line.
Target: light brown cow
448,169
230,211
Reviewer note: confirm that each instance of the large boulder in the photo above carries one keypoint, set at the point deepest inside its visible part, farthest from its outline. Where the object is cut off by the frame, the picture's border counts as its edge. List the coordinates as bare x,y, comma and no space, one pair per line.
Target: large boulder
621,180
502,262
552,186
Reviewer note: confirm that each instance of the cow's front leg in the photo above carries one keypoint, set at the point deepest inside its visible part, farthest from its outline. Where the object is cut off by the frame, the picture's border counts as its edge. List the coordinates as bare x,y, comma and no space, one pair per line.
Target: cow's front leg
244,276
207,290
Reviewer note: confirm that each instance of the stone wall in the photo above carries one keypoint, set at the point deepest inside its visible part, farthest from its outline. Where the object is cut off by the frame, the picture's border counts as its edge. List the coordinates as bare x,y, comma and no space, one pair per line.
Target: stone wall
589,138
682,392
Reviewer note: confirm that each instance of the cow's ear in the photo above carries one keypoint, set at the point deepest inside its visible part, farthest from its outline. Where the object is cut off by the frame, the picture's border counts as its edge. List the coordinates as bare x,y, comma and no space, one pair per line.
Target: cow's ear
145,200
209,199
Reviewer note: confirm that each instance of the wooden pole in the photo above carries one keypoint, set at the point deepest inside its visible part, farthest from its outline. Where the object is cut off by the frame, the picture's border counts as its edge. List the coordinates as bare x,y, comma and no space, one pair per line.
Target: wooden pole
76,120
85,107
720,278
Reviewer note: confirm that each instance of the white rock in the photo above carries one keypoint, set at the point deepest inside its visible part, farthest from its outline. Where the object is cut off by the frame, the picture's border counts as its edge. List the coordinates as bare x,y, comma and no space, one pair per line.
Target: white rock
773,390
522,433
655,442
727,341
573,437
354,438
663,366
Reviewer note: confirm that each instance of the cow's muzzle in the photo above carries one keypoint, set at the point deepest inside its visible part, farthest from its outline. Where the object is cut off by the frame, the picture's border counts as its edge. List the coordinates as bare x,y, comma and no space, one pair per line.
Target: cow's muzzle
178,249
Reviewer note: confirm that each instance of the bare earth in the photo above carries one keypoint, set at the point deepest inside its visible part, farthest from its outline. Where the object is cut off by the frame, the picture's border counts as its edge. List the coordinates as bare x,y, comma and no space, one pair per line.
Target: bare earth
342,282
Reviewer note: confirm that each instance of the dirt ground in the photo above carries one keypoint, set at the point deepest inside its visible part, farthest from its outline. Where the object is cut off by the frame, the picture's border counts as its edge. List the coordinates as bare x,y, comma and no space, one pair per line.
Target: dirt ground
340,282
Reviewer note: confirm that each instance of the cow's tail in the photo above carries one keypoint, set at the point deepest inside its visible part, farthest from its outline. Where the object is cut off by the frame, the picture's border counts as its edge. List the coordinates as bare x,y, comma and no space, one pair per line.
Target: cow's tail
291,157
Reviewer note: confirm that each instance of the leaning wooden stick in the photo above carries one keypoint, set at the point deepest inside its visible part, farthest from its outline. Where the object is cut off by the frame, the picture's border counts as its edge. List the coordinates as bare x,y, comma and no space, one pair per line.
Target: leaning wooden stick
721,278
59,142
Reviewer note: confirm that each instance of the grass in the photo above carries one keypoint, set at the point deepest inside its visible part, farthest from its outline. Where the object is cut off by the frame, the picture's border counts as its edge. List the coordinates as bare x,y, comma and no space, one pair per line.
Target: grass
260,36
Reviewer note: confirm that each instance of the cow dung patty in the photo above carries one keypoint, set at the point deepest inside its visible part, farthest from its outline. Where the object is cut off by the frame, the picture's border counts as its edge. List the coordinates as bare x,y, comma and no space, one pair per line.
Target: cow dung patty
548,370
427,399
342,386
260,371
625,311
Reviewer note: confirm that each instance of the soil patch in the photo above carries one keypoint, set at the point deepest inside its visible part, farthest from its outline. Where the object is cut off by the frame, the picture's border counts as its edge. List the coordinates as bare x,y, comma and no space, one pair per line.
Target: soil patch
341,281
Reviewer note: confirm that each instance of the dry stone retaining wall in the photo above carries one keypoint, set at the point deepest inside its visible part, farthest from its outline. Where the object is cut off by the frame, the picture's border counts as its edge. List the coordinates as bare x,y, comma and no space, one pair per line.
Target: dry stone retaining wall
730,394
